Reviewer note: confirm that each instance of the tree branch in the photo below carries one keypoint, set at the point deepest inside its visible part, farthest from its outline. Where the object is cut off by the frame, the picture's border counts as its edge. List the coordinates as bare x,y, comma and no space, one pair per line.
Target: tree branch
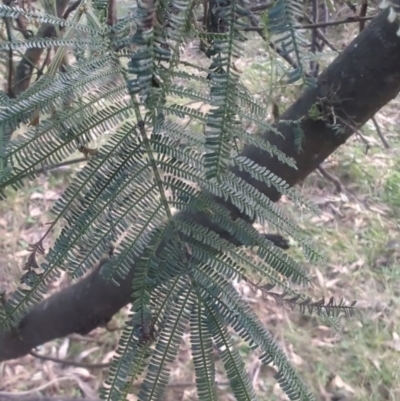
112,12
70,363
32,56
10,74
319,25
335,23
356,74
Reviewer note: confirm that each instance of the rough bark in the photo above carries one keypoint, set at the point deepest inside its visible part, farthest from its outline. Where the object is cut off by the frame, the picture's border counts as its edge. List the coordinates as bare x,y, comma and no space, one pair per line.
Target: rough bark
367,73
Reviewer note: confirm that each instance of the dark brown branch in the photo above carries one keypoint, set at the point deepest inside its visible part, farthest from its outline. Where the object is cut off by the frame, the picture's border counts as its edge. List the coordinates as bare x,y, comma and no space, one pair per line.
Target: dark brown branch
9,396
32,56
253,8
62,164
325,40
255,26
10,72
52,168
314,45
21,23
10,67
334,180
351,6
335,23
319,25
44,64
72,7
261,7
71,363
363,13
380,134
320,34
364,140
112,12
356,74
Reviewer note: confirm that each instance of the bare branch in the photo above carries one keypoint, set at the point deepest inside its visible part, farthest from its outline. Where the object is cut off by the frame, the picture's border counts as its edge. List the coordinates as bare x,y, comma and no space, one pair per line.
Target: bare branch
112,12
319,25
32,56
335,23
334,180
72,7
71,363
10,72
255,27
261,7
363,13
380,134
314,67
21,23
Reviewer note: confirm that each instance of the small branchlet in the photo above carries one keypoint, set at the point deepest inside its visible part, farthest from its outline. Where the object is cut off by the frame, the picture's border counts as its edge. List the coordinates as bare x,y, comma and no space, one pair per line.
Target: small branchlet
306,304
328,108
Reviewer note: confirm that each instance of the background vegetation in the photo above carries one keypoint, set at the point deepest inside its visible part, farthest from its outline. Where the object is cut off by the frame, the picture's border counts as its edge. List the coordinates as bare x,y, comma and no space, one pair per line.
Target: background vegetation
359,231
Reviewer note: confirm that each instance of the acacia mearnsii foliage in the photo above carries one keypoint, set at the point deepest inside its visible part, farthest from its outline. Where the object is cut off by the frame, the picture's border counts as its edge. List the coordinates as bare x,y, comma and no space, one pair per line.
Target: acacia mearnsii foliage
160,177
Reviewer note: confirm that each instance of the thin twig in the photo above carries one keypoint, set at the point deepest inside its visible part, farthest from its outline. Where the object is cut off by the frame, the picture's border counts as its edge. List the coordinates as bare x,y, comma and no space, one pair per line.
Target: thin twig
22,55
71,363
322,36
44,170
255,27
71,7
334,23
363,139
319,25
336,182
45,62
350,5
106,365
363,13
281,53
186,384
314,66
253,9
10,76
21,23
324,39
380,134
261,7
